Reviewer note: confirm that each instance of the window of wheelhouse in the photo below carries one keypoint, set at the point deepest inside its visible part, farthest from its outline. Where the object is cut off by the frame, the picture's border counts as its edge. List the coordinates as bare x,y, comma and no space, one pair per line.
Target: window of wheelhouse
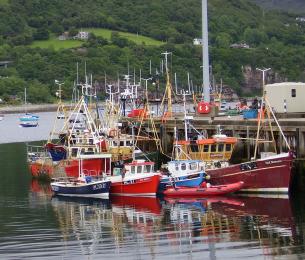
206,148
228,147
213,148
183,166
74,151
133,169
194,147
221,147
147,168
177,167
122,143
193,166
139,169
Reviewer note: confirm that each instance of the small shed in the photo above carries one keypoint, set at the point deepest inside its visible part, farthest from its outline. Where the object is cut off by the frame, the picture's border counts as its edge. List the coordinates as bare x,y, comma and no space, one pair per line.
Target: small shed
286,97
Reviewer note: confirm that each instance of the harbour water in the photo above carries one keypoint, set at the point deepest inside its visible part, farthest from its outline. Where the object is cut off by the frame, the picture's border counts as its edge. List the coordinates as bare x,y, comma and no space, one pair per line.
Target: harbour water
36,225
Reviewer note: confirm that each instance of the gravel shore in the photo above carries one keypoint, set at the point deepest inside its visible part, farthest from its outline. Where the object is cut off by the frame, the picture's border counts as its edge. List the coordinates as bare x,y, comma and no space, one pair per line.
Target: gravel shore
28,108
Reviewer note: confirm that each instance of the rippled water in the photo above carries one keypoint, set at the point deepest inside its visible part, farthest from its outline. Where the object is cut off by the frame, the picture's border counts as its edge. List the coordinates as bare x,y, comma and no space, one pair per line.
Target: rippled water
35,225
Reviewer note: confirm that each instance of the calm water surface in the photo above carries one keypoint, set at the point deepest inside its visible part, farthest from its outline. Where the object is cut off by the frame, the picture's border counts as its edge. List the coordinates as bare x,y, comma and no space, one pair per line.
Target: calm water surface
35,225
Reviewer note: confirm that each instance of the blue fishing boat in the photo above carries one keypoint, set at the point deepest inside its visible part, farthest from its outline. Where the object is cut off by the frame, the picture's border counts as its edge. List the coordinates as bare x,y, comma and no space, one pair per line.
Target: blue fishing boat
81,187
186,173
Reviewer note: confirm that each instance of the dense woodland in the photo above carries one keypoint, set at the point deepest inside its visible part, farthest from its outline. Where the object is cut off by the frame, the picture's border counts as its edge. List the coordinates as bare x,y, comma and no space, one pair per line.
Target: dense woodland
276,40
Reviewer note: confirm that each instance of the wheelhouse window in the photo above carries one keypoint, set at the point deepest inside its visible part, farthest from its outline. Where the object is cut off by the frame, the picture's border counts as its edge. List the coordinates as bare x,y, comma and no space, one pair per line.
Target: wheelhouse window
74,151
220,147
206,148
122,143
147,168
228,147
177,167
213,148
139,169
293,92
193,166
133,169
194,146
183,166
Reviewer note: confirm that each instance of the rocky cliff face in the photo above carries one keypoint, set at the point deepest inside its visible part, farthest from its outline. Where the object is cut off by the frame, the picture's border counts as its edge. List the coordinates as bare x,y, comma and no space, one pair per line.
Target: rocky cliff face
254,79
297,6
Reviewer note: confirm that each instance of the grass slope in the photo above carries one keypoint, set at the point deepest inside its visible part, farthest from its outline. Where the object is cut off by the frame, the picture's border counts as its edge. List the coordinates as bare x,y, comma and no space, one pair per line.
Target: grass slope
56,44
138,39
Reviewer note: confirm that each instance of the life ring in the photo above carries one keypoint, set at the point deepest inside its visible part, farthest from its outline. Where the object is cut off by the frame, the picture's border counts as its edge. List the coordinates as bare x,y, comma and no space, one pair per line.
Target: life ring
203,108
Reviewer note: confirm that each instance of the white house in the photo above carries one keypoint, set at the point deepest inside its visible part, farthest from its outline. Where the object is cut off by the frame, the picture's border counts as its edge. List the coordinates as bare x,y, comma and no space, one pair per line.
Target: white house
197,41
286,96
82,35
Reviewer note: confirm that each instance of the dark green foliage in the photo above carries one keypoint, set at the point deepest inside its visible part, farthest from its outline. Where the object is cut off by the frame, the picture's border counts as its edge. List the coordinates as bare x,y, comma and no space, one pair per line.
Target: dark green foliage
276,40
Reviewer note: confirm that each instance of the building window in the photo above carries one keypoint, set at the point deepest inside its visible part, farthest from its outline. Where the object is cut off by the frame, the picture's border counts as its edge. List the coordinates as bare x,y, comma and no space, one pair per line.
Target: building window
293,92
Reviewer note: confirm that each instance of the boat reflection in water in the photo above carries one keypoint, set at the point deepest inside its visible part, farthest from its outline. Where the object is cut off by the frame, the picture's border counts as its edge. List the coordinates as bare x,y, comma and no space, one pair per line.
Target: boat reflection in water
266,223
141,227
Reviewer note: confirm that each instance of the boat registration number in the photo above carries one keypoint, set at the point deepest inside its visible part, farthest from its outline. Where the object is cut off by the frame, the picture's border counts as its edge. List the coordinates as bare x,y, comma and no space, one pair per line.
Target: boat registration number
98,186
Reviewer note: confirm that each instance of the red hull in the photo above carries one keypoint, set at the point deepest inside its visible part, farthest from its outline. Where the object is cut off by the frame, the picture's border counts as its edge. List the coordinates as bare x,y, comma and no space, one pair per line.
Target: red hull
202,192
147,186
270,175
39,170
91,167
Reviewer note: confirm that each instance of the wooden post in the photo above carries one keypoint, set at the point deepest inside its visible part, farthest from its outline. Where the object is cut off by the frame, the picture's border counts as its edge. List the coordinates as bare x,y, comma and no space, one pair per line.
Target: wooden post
300,149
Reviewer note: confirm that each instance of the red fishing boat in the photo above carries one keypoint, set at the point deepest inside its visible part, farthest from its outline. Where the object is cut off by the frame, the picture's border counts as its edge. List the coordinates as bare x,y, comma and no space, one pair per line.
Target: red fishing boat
271,174
200,191
137,178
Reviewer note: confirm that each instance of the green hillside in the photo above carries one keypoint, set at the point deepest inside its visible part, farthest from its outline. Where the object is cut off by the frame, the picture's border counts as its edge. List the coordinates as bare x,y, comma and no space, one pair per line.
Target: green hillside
56,44
142,30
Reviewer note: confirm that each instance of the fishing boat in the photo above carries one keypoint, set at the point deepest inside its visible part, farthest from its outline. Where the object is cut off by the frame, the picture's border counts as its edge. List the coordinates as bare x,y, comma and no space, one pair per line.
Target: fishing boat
182,171
83,186
209,190
269,173
28,120
187,173
137,178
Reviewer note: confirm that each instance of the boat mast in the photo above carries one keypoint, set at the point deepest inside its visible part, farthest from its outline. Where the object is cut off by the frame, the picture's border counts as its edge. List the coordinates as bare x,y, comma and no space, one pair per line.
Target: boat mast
205,53
168,88
261,112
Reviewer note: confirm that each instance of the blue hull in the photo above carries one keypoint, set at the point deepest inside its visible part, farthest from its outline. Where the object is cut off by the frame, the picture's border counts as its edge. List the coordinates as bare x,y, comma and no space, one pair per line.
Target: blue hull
28,125
95,189
181,181
57,155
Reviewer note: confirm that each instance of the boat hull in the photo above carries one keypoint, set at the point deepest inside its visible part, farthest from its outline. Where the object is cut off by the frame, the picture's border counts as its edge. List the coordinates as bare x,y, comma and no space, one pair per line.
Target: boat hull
271,175
203,192
95,189
91,167
29,124
185,181
144,186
